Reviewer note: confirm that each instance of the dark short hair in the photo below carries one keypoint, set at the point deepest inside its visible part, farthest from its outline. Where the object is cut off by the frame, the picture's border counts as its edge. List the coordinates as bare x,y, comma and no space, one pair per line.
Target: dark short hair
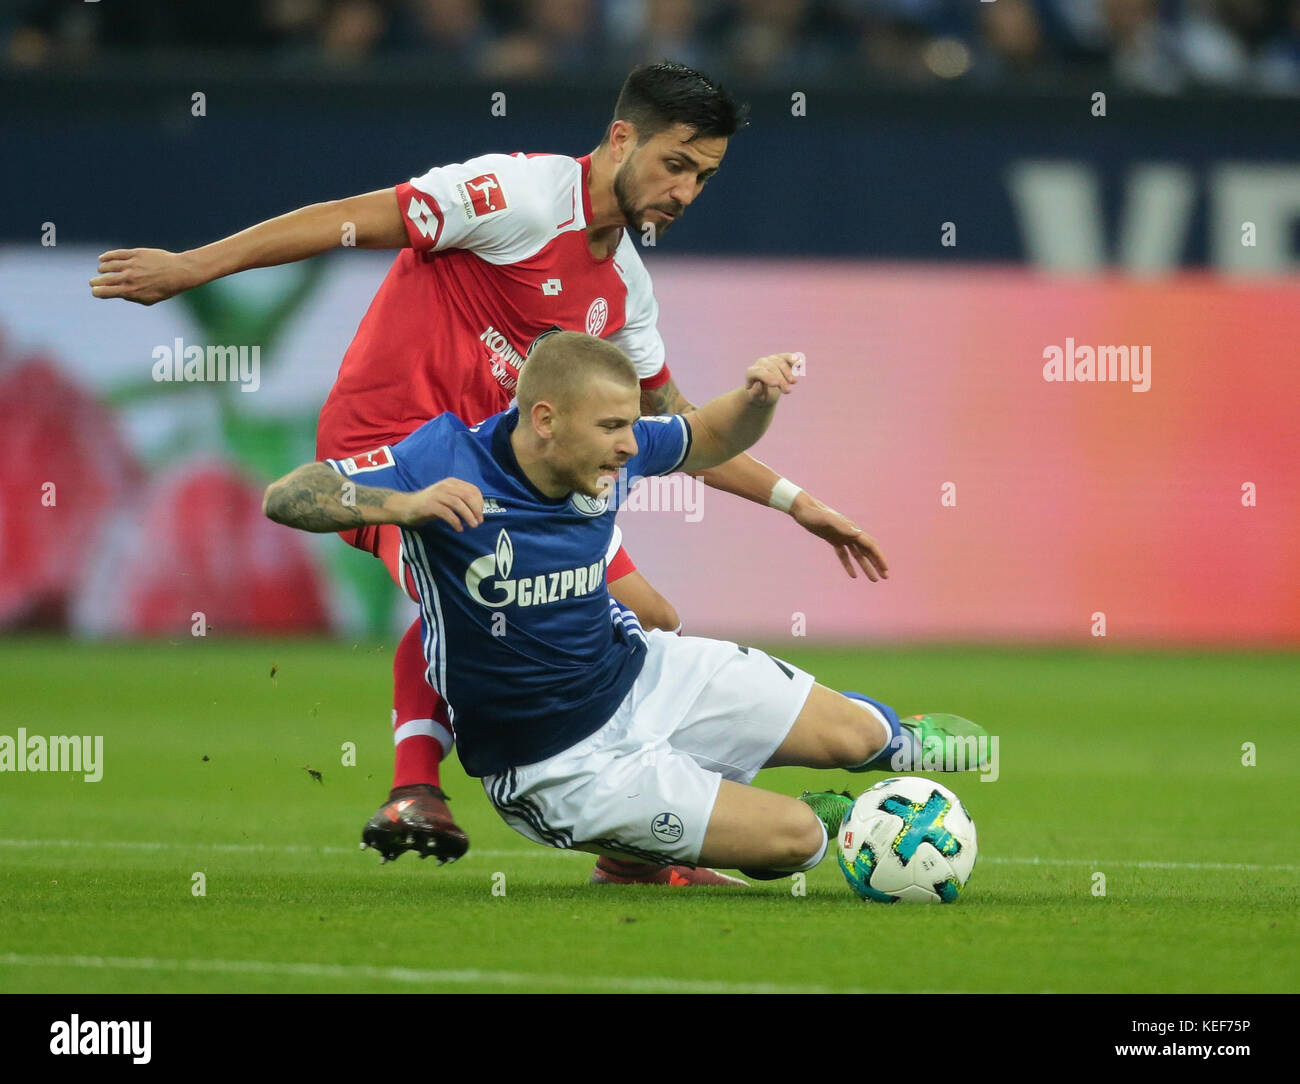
659,96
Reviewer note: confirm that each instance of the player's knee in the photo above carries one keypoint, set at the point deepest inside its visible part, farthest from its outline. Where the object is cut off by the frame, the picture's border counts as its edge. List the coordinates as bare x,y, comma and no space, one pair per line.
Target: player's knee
799,839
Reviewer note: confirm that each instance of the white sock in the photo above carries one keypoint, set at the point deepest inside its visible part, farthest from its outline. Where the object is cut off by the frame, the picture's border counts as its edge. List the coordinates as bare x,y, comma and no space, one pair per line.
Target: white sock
879,717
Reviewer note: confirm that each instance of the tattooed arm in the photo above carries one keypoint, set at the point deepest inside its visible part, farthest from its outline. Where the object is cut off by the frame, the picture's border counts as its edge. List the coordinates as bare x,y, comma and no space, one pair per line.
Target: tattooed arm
317,498
746,477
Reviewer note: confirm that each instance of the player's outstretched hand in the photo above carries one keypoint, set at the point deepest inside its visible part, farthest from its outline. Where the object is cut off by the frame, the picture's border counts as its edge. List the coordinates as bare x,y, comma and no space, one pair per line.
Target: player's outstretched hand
771,377
850,542
143,275
453,501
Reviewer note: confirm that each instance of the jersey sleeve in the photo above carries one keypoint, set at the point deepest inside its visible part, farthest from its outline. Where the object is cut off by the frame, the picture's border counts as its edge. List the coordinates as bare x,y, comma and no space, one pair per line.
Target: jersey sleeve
662,445
419,460
492,205
639,336
615,544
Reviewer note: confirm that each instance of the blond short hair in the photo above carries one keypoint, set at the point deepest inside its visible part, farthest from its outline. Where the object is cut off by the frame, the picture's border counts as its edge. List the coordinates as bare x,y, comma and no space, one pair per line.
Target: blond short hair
564,363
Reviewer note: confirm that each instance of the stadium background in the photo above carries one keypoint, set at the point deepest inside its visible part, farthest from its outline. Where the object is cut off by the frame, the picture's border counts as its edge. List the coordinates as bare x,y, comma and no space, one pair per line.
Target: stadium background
928,197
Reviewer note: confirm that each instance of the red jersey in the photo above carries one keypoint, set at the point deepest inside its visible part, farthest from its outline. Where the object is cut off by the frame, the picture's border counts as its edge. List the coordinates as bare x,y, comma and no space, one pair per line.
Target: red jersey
499,259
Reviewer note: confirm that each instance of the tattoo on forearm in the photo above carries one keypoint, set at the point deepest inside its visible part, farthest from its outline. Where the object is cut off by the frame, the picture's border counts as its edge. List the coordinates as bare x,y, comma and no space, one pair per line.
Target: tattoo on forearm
316,498
666,399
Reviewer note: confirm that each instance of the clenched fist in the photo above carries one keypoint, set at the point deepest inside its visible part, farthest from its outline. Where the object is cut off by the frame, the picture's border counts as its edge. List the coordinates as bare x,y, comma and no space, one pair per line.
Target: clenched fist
771,377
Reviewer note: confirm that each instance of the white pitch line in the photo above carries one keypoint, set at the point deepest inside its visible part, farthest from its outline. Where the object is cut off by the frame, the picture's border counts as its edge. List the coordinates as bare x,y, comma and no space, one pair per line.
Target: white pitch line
1099,863
540,852
421,977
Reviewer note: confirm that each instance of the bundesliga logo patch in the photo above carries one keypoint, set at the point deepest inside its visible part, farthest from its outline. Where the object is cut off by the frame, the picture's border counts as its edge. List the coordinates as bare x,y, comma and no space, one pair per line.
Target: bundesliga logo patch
376,460
481,196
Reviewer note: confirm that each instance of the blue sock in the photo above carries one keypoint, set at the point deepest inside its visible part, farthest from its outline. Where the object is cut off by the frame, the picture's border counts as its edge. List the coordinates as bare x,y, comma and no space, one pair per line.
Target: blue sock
900,739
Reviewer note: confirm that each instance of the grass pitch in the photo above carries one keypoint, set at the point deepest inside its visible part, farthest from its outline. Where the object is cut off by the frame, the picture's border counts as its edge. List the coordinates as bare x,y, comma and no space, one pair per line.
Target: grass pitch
1126,765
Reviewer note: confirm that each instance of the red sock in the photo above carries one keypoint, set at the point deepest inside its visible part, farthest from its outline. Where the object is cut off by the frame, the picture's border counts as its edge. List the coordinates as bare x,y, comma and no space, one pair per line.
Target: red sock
421,729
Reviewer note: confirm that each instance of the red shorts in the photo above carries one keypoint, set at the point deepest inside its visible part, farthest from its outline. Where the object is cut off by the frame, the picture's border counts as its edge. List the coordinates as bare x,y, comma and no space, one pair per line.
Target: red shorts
385,542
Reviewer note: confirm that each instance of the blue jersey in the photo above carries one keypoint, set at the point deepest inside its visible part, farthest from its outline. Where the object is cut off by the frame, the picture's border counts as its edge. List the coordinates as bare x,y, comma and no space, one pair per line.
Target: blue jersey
522,638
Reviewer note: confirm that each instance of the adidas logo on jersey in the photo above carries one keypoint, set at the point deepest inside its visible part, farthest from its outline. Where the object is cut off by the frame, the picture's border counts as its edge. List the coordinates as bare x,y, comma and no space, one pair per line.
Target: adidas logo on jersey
490,505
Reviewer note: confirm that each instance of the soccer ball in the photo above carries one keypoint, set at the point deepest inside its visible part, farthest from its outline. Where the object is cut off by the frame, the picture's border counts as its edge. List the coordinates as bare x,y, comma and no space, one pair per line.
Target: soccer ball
907,839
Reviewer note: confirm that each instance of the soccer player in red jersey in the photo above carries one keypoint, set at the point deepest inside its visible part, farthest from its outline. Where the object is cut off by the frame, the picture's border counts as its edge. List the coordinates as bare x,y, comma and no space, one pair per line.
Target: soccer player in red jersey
495,254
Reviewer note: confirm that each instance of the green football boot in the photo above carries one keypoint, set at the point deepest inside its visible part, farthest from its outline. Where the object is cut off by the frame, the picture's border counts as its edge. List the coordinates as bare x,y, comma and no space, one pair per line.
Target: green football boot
831,808
939,743
933,742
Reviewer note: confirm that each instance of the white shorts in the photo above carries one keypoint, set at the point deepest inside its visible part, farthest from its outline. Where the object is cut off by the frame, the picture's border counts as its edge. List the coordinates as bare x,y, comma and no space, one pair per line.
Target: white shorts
644,784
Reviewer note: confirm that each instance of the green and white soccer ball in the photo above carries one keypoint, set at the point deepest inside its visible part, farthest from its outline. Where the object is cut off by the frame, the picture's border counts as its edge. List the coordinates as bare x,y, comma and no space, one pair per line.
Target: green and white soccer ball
907,839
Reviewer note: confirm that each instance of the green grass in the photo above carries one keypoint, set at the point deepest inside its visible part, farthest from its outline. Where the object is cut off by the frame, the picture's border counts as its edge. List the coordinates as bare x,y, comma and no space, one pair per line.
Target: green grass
1123,764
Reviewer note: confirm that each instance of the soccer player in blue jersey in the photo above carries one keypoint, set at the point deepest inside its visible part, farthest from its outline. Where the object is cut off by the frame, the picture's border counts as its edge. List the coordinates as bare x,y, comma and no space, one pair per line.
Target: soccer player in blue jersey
586,731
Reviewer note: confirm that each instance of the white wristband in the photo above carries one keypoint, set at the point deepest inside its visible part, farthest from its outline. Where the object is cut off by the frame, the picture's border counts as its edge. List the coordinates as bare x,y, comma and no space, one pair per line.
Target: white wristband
784,492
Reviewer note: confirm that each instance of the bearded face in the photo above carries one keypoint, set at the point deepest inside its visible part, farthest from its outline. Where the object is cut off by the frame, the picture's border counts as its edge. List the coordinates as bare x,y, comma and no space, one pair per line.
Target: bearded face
660,178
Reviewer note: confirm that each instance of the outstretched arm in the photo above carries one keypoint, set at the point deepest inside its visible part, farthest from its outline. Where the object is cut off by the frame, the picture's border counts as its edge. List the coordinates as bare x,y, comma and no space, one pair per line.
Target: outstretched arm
315,497
149,275
746,477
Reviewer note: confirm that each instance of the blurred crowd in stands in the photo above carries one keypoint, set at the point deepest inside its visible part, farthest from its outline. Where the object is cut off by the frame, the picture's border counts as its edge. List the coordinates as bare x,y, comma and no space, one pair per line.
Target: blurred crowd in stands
1153,46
